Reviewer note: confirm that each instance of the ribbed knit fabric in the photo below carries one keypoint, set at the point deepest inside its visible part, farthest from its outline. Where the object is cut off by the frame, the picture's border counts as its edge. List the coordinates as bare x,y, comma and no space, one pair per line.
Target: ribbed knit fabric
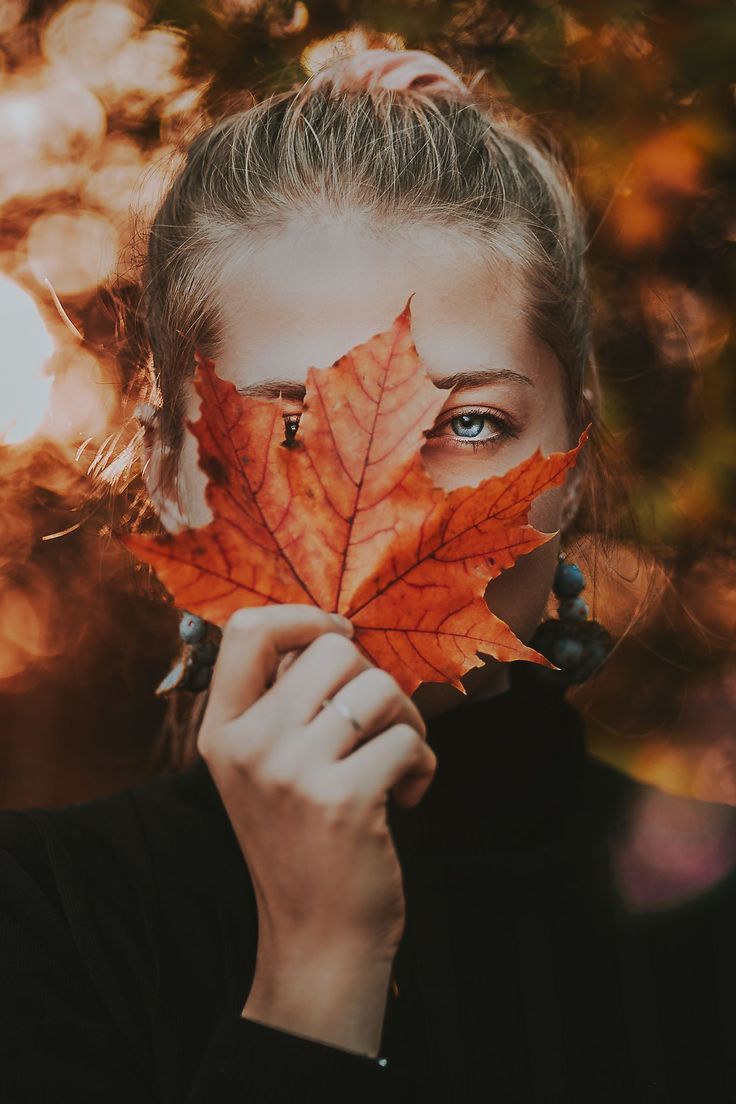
128,934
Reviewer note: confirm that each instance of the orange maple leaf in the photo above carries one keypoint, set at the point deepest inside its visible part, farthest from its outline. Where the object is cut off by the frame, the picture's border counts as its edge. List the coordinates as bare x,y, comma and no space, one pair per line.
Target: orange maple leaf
348,518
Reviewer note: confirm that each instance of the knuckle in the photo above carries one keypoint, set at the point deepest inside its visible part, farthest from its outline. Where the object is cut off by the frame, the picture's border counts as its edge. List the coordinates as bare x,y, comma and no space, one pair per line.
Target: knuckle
234,746
203,743
277,776
382,683
337,812
331,796
334,646
417,721
210,743
243,620
245,758
239,748
407,740
205,750
428,759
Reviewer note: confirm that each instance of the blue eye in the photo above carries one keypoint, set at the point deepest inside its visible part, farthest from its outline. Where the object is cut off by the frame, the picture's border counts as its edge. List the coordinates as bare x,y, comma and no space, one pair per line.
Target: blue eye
468,425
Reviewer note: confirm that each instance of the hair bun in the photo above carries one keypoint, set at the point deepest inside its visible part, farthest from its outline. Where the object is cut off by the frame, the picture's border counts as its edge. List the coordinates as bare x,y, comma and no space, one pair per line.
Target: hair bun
405,70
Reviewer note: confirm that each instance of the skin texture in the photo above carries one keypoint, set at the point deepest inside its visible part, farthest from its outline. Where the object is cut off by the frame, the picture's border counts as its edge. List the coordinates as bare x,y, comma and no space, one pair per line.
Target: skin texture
322,285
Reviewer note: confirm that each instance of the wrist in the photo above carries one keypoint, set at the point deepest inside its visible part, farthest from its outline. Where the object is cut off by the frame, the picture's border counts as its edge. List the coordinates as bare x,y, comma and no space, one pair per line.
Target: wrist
335,996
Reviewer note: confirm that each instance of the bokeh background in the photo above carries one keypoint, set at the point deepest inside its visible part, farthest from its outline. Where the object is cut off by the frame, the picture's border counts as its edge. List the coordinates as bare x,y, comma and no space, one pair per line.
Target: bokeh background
95,98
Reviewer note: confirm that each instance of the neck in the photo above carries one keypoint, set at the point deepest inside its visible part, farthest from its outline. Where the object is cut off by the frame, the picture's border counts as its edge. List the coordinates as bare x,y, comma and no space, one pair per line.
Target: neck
434,698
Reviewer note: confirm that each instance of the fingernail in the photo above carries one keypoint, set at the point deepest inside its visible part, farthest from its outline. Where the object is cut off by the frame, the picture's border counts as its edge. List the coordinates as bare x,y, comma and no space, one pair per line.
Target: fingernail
343,622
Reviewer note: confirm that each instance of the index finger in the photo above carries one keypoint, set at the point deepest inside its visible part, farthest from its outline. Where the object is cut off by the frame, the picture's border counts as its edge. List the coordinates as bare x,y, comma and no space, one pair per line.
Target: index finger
253,642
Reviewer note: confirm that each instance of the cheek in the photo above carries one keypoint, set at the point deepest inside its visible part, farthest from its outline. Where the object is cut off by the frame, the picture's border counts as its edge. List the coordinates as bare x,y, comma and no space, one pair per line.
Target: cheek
519,595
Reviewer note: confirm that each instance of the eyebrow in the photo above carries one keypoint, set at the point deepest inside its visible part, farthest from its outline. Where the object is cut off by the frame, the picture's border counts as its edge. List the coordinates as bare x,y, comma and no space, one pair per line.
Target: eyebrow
291,389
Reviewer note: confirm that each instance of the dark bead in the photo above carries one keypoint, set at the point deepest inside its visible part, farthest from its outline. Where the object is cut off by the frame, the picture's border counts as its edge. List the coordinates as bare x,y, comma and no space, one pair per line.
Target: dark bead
598,652
568,581
567,653
573,610
598,643
206,652
579,649
192,629
545,637
199,678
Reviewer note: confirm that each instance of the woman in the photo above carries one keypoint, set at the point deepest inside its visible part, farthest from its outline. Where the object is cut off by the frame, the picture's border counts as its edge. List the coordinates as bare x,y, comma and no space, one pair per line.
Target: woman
350,892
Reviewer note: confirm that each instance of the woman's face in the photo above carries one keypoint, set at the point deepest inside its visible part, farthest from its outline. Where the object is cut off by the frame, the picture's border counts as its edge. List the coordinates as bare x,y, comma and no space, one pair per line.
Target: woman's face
307,296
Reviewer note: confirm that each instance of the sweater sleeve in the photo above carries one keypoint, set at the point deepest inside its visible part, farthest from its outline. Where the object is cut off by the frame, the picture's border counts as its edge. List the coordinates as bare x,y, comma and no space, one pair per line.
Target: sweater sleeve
56,1039
63,1035
246,1057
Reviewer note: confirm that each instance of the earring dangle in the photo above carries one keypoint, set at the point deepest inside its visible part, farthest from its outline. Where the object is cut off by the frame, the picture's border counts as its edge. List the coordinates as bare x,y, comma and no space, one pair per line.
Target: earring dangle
192,669
577,646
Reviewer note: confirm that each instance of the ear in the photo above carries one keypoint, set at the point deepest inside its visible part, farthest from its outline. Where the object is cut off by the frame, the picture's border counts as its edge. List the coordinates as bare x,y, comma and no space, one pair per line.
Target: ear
154,453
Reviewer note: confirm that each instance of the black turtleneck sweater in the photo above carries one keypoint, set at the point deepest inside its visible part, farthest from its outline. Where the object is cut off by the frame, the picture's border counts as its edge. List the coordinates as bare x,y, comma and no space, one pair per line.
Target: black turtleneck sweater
526,974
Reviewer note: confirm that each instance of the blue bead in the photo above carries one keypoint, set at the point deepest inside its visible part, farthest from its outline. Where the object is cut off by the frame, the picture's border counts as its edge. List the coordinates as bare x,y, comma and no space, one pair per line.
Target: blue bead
191,628
598,652
567,653
568,581
206,652
199,679
573,610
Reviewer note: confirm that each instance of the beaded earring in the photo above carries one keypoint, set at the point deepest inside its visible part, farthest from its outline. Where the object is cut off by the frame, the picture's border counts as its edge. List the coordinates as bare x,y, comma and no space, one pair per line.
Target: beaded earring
577,646
193,667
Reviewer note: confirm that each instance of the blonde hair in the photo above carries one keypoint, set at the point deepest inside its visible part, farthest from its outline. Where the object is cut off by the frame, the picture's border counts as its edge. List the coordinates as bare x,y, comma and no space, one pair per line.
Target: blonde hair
401,155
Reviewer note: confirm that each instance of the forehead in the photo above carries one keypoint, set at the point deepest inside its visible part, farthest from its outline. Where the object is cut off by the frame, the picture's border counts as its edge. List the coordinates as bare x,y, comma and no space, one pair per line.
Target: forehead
306,295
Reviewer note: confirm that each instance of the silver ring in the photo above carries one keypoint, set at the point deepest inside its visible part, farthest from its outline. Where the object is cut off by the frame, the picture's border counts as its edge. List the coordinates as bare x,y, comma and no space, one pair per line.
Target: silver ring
346,714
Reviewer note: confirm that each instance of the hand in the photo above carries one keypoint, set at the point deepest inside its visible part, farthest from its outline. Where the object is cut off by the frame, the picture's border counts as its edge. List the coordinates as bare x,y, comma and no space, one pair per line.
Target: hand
306,796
